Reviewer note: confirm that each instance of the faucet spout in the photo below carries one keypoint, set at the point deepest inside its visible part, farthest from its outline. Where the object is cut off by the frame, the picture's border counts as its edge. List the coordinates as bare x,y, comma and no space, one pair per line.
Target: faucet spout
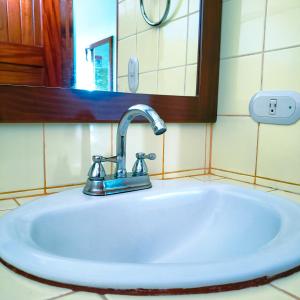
157,124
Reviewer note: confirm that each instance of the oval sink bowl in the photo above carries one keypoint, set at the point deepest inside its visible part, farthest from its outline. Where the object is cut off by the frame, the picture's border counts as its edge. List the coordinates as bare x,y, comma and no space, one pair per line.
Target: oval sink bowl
178,237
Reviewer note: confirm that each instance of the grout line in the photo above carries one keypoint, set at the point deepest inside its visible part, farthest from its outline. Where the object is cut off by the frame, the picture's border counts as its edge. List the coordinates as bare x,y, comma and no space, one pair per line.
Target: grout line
210,148
240,55
184,176
21,191
270,179
260,177
261,88
187,170
271,190
215,179
233,172
256,154
15,200
150,28
278,180
62,296
160,69
261,52
44,159
284,291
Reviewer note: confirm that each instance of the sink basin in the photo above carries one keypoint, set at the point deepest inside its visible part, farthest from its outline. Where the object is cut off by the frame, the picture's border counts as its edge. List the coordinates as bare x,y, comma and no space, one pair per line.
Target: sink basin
179,235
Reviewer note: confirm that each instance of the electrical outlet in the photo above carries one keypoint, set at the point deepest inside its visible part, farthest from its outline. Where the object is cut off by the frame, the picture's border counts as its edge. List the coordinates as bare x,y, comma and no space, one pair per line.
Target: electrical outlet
272,106
275,107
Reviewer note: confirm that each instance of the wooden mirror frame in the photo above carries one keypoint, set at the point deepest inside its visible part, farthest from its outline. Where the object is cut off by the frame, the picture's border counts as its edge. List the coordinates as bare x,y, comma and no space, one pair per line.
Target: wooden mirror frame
25,104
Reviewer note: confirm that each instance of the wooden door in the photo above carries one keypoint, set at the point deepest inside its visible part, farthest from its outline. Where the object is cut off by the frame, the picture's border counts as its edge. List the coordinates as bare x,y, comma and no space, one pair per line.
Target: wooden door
36,45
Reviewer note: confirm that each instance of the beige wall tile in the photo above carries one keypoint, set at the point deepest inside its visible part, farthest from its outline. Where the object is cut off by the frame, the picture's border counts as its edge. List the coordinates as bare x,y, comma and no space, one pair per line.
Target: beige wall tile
184,147
127,48
69,148
207,178
194,5
293,188
234,176
82,296
23,201
152,11
171,81
7,204
140,138
147,50
70,187
123,84
282,70
148,83
239,80
185,174
289,284
191,80
278,152
193,38
172,44
242,27
13,286
3,212
234,144
245,184
283,24
22,157
127,18
22,194
178,8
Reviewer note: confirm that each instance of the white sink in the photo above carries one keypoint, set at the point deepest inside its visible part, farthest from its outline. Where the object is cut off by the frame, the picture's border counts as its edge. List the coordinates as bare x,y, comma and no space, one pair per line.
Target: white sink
179,234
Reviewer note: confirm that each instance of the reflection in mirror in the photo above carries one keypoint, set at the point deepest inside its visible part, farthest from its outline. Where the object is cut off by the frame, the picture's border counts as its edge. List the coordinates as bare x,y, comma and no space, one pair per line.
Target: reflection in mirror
167,54
95,30
94,53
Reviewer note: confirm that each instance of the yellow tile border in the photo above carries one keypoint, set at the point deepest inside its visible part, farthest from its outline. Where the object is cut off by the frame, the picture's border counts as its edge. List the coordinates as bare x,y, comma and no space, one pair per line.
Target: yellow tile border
21,191
82,183
253,176
278,180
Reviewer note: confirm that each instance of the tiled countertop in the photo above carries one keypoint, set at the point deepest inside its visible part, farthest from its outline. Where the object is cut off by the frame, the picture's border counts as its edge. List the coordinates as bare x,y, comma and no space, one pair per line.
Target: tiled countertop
15,287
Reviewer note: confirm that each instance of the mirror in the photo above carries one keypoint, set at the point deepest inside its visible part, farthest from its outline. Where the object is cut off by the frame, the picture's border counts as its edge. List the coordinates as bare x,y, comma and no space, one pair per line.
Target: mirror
165,56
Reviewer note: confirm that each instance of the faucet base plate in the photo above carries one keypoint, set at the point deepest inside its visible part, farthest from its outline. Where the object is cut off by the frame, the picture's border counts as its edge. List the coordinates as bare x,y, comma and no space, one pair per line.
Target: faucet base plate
111,185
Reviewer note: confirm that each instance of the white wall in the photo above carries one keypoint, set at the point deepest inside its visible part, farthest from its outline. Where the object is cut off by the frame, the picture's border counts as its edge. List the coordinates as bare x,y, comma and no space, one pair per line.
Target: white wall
93,20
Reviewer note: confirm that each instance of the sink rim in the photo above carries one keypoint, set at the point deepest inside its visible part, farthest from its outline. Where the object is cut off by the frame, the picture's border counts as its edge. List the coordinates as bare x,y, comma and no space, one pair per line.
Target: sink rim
288,261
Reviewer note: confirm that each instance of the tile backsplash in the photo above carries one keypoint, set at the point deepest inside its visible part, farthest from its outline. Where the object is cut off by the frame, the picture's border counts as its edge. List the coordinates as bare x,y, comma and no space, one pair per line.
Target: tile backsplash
260,51
36,158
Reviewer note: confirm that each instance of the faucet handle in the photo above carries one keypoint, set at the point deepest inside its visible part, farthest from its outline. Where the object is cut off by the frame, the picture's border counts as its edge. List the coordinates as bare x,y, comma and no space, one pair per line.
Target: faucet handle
142,155
97,170
140,168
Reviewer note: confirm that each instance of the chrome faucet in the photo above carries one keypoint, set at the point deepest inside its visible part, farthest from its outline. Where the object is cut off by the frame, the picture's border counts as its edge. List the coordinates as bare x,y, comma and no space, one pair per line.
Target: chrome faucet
99,184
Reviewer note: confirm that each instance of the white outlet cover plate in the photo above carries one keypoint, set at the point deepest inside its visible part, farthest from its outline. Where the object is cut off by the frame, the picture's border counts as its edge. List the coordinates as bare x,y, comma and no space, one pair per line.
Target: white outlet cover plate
287,107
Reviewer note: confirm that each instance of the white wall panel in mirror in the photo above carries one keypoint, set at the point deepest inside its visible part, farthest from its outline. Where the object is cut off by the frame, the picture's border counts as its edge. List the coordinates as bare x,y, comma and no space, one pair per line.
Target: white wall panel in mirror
167,54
